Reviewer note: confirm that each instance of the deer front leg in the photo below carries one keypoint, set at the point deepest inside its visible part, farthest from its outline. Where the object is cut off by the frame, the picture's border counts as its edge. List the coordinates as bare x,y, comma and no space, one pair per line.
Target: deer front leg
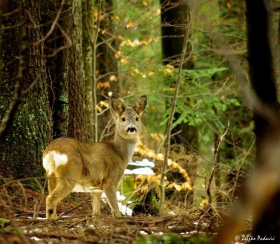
95,201
111,194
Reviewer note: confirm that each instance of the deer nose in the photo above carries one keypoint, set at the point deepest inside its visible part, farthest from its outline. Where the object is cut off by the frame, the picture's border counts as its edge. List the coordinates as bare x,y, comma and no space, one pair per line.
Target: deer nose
131,129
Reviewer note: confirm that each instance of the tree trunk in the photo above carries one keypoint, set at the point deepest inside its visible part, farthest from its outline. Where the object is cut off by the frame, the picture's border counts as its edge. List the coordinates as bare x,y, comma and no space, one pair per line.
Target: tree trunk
273,30
263,82
27,136
106,62
65,69
174,15
74,61
57,78
88,18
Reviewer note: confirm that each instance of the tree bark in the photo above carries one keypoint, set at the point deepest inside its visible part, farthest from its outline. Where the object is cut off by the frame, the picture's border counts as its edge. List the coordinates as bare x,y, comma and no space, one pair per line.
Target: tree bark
56,68
74,61
27,135
65,69
88,18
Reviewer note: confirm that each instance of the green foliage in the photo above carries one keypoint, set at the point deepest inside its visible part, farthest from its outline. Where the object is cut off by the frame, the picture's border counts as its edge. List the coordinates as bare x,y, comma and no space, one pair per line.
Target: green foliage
198,240
4,222
35,184
167,238
209,95
127,186
198,103
171,238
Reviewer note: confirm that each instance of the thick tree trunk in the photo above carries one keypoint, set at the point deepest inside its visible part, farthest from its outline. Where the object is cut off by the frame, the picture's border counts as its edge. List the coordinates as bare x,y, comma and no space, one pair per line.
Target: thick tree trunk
65,69
263,82
27,136
56,69
74,61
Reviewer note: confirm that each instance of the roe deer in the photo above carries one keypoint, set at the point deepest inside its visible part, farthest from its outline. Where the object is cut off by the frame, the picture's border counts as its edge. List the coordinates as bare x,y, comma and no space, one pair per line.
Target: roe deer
72,165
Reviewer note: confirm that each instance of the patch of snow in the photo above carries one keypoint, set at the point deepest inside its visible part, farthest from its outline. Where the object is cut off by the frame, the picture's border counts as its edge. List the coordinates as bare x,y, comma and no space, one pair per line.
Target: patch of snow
120,197
144,163
172,212
144,167
35,238
139,171
40,217
124,209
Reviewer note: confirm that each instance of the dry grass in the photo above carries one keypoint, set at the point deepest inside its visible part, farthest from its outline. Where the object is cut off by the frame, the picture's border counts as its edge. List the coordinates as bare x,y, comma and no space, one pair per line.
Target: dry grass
22,209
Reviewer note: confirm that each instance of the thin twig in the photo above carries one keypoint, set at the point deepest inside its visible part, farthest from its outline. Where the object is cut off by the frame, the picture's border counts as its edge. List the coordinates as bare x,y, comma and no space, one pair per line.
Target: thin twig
215,164
93,41
70,43
170,121
55,22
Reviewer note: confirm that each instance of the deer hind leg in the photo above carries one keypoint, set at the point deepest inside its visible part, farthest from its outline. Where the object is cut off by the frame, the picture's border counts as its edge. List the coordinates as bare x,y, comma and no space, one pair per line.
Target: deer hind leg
62,189
111,194
51,183
51,211
96,202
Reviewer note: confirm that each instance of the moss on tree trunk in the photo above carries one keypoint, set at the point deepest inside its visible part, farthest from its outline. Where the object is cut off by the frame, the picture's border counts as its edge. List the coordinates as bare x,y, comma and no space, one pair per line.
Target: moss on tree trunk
27,136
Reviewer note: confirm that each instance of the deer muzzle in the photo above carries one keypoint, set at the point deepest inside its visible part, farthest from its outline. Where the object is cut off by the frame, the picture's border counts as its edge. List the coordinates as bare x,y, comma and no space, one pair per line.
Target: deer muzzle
131,130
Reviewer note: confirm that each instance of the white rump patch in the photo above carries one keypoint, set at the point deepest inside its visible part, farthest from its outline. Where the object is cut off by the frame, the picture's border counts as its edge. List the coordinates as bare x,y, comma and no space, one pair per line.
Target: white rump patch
52,160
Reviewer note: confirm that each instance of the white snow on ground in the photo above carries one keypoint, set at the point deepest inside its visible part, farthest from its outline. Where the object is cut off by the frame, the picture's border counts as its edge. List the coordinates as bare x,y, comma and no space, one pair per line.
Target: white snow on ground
125,210
143,163
139,171
145,168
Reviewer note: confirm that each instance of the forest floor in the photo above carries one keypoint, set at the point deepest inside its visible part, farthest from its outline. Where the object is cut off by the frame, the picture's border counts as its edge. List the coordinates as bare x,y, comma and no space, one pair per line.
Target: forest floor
22,220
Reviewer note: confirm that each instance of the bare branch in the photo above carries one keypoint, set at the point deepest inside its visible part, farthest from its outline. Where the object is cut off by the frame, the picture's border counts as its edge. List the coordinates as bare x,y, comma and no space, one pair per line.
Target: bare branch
10,13
93,41
215,163
55,22
62,47
12,109
11,27
170,121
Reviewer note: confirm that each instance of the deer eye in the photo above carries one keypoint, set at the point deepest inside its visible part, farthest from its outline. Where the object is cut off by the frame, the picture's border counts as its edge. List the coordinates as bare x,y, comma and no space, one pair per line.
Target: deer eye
123,119
137,118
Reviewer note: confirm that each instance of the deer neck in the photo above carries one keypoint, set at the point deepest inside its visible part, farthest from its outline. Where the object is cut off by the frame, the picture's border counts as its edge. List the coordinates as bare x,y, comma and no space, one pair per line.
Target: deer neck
126,147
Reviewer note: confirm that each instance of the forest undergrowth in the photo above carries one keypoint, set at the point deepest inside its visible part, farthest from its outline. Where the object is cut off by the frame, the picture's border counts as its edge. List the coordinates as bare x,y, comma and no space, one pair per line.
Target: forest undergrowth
22,218
22,221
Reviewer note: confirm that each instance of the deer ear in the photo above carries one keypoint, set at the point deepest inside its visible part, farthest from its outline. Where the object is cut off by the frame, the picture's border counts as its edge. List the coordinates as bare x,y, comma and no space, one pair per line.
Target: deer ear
117,106
140,104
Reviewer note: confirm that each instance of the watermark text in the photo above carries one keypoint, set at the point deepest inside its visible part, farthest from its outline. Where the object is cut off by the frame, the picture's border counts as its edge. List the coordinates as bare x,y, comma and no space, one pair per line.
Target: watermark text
248,238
